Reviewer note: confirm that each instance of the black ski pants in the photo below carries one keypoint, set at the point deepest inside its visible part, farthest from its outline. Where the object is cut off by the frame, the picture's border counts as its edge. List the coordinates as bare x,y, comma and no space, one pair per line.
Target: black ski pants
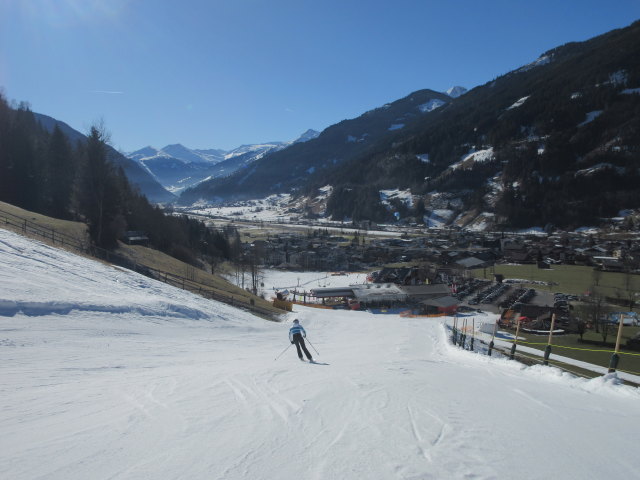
298,339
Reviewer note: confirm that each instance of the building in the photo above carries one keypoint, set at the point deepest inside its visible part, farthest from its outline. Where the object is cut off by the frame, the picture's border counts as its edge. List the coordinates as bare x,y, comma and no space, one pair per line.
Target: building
135,238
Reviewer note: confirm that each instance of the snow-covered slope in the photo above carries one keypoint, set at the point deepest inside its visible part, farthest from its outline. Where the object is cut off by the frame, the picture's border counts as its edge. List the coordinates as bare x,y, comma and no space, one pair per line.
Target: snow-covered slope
110,375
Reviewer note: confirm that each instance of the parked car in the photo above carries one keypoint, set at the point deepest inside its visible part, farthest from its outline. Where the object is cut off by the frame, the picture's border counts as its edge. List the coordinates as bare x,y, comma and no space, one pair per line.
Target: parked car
628,318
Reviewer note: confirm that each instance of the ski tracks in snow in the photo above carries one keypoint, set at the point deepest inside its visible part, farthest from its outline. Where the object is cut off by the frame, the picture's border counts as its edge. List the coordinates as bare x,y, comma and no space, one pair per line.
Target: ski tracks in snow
447,443
262,396
425,447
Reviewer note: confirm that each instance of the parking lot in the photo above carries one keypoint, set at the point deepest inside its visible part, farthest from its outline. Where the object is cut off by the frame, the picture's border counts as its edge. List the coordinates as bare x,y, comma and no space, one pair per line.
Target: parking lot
489,297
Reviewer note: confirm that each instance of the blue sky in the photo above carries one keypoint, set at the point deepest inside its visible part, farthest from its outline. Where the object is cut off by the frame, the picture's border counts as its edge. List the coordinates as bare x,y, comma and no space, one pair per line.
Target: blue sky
221,73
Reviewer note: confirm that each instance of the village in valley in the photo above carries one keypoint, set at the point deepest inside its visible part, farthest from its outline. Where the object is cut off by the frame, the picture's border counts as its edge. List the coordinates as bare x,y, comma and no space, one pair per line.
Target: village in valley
425,272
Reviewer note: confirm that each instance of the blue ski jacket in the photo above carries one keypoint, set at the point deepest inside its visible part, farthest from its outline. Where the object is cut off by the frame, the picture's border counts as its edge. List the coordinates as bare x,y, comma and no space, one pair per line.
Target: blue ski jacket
296,329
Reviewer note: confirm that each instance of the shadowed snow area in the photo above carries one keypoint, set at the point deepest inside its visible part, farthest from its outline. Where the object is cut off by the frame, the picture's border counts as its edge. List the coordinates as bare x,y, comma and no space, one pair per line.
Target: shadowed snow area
106,374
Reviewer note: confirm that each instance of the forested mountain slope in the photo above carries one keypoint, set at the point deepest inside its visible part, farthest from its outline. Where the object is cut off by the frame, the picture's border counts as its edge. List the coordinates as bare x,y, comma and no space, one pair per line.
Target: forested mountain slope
136,175
556,141
287,169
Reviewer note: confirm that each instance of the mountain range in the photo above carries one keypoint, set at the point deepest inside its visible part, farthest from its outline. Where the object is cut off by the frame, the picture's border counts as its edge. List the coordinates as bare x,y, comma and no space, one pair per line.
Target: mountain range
177,167
556,141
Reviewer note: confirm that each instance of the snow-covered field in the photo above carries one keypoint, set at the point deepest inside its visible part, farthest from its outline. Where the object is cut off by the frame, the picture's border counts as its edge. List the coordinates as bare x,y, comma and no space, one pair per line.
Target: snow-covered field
280,280
269,209
105,374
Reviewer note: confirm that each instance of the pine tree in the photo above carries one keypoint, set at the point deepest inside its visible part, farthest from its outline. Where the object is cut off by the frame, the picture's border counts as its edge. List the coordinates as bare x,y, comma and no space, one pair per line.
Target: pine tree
100,199
5,167
60,174
25,178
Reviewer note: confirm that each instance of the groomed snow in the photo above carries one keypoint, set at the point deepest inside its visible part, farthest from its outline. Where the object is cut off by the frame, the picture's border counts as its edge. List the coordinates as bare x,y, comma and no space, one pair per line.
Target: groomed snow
106,374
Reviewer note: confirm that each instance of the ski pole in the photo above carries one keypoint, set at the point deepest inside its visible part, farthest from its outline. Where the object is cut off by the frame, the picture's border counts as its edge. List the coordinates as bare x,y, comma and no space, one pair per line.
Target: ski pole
281,353
313,346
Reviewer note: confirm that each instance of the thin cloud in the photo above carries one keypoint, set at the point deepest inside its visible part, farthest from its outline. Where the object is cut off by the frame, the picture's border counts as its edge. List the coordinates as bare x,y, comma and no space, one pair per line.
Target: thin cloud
107,92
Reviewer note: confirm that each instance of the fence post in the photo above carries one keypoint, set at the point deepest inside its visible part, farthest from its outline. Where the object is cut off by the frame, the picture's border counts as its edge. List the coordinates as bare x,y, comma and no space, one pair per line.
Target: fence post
613,363
491,344
615,358
454,332
473,333
515,342
463,336
547,351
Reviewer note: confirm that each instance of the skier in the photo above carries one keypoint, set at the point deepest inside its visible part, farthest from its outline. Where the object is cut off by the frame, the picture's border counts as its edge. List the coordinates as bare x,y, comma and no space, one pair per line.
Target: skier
297,336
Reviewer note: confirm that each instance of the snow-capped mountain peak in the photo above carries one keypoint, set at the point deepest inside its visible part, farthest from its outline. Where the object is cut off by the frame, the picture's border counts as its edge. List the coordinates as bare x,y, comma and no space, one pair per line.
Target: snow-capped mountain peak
183,153
212,155
455,92
306,136
143,153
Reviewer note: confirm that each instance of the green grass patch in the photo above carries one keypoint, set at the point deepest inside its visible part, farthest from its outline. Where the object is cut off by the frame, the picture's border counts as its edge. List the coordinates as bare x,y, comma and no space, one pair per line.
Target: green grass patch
75,230
572,279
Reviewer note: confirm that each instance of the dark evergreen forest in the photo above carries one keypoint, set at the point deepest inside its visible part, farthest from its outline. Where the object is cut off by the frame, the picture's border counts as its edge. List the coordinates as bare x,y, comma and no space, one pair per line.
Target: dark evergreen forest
569,155
45,173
